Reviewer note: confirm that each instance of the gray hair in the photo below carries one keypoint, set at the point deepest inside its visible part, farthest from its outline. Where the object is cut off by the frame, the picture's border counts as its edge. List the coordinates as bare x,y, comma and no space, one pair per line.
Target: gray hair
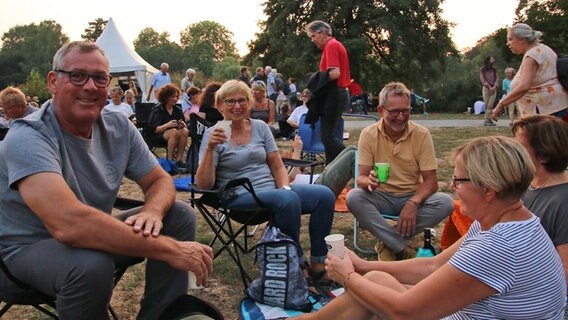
393,88
82,46
189,71
318,26
524,31
117,89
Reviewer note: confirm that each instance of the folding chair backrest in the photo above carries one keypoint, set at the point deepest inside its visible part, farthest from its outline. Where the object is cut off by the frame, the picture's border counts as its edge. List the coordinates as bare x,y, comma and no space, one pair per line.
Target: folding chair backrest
197,127
311,136
142,110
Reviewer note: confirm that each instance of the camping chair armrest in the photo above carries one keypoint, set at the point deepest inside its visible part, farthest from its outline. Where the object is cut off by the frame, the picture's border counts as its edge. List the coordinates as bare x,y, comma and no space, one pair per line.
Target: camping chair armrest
302,163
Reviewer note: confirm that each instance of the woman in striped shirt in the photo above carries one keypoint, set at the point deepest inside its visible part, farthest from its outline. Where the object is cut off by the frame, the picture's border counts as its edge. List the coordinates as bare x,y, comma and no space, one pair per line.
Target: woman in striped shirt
505,267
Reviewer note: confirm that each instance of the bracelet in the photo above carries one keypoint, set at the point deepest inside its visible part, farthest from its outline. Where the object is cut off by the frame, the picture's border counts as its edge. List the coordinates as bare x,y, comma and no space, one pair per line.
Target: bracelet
415,203
346,279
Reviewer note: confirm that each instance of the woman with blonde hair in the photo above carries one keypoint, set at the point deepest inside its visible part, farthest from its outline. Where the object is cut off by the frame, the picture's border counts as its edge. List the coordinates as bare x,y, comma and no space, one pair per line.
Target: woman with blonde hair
504,267
251,152
262,107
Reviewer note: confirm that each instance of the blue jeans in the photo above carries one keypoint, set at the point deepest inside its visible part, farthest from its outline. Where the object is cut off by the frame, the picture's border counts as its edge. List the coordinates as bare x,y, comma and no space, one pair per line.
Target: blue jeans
288,206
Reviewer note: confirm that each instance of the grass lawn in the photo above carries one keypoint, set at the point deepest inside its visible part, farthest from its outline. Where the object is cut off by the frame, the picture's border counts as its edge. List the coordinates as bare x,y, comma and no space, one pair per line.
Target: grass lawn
225,289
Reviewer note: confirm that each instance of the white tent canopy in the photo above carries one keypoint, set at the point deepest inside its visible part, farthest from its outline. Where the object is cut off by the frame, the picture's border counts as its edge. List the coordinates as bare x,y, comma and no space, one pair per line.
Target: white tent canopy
123,59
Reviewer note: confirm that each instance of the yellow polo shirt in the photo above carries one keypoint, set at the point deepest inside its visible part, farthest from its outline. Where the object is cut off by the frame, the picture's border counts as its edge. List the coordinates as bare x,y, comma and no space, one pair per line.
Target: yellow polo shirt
411,154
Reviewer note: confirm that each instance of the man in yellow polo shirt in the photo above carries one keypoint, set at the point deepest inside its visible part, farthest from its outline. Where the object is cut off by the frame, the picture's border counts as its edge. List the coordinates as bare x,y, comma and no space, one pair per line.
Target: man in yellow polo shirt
410,191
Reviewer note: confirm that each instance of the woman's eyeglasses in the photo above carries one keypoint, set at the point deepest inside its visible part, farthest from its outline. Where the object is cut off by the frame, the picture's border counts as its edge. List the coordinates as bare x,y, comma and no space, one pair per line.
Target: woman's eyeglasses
457,182
231,102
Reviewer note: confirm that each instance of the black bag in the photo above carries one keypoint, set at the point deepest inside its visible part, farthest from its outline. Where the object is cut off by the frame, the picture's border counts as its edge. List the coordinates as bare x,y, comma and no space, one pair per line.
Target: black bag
562,70
281,283
186,305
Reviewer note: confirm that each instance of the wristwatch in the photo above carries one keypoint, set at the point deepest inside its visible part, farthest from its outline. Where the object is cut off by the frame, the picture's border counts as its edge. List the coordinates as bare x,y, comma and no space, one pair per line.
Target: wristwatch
286,187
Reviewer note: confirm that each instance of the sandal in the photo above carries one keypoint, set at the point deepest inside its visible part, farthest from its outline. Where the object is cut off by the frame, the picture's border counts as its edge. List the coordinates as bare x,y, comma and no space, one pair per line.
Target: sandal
312,286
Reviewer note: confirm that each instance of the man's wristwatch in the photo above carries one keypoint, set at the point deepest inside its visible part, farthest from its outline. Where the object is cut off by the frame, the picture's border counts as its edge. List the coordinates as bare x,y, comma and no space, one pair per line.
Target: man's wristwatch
287,187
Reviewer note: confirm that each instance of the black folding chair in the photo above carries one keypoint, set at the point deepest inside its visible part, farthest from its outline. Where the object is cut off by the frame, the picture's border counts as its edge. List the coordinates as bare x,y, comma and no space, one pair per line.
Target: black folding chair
24,294
223,228
143,111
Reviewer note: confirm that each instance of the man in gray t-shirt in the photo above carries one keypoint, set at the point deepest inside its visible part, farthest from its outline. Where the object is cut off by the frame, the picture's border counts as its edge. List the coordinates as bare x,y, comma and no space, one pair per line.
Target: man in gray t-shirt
60,172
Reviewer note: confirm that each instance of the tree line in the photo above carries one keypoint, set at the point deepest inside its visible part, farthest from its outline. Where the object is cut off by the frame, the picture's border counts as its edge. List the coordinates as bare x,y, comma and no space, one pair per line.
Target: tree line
402,40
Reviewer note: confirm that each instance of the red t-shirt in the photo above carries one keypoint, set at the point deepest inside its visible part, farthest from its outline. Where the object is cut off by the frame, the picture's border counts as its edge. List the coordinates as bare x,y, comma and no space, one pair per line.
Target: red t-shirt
335,56
355,89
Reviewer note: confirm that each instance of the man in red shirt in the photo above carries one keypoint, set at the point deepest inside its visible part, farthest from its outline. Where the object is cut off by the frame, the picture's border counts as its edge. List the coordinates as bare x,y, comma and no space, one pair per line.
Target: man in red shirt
335,61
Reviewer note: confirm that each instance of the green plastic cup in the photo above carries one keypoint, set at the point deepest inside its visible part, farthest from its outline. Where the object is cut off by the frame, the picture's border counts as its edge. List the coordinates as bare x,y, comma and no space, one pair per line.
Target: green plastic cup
382,170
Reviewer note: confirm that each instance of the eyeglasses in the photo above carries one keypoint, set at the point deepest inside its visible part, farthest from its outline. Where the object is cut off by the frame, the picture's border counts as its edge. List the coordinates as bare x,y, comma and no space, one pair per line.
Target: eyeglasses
395,113
457,182
79,78
231,102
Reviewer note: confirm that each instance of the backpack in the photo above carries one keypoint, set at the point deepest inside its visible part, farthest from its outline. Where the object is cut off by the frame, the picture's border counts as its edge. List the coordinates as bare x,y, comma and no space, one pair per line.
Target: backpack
562,70
281,283
286,89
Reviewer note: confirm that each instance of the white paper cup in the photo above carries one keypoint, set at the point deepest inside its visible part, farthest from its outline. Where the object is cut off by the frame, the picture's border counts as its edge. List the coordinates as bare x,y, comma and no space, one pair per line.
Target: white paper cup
336,244
225,125
192,280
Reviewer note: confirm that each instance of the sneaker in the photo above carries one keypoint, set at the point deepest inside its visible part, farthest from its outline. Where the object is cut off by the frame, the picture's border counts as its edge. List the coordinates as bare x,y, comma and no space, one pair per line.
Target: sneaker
384,253
489,123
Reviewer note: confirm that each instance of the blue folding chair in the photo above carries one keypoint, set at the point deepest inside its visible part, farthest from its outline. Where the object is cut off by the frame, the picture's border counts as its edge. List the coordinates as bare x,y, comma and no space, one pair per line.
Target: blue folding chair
311,136
356,227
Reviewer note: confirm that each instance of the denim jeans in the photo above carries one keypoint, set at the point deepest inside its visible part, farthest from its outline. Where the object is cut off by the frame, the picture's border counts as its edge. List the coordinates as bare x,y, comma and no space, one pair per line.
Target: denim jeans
288,206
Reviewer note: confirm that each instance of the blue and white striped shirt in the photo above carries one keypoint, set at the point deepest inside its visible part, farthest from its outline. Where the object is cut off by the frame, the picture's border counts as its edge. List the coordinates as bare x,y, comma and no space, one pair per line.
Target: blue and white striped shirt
519,261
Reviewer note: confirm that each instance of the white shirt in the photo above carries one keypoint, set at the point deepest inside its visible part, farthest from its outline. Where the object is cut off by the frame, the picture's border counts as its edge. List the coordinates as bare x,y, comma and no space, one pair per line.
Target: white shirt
294,119
123,108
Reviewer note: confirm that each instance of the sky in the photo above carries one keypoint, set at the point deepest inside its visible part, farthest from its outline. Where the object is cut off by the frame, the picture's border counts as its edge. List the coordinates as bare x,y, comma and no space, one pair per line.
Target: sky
474,19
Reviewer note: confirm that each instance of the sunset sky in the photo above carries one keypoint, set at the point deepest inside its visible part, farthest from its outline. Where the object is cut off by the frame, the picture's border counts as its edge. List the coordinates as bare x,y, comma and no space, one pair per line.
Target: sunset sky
474,19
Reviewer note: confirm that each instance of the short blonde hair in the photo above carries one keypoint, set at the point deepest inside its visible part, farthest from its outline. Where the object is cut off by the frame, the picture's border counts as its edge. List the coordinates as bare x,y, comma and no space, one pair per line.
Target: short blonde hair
258,85
12,97
233,87
499,163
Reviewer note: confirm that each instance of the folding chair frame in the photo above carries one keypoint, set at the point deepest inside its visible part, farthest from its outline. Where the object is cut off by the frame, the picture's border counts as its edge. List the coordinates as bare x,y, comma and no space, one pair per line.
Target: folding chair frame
37,299
223,228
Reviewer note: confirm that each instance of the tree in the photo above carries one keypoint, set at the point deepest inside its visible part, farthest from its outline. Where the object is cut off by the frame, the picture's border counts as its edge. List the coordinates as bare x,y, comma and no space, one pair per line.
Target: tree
26,47
37,86
403,40
156,48
205,43
226,69
94,30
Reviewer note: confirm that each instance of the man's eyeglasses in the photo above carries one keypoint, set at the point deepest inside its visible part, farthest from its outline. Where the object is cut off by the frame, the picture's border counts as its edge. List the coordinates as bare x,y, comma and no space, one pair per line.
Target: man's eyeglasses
457,182
79,78
395,113
231,102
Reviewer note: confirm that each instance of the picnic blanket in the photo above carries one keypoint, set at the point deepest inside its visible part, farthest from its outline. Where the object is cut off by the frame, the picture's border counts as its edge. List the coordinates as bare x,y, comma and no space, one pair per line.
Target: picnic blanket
251,310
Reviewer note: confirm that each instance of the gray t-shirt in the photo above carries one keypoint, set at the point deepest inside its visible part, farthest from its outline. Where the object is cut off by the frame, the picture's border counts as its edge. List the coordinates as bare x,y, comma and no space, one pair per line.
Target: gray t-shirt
550,205
93,168
245,161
